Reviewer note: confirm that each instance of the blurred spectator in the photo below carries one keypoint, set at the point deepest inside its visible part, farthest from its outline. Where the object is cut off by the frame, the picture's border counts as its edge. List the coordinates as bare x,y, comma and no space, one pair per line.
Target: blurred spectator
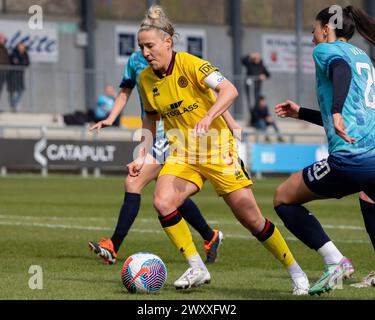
4,62
105,104
102,109
16,83
77,118
261,119
256,73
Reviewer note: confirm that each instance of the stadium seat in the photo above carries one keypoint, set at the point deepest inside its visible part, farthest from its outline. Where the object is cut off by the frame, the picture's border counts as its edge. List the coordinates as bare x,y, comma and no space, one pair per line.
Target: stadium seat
293,131
131,122
31,119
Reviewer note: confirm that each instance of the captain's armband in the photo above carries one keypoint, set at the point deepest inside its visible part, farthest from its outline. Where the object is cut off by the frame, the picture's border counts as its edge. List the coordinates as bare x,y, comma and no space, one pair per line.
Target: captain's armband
214,79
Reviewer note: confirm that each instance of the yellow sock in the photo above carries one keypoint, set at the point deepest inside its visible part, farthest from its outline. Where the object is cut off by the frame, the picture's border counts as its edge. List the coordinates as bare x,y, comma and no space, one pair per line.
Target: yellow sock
272,239
179,233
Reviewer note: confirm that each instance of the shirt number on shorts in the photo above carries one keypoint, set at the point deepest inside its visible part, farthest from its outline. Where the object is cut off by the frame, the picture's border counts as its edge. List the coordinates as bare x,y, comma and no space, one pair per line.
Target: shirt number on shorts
321,169
161,146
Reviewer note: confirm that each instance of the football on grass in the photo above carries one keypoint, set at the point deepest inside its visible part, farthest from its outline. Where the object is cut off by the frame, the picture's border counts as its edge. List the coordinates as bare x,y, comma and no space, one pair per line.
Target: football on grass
143,272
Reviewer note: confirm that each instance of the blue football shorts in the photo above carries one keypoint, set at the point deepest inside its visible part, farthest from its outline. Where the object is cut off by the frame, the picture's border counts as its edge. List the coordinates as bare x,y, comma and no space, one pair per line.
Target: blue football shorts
160,149
331,179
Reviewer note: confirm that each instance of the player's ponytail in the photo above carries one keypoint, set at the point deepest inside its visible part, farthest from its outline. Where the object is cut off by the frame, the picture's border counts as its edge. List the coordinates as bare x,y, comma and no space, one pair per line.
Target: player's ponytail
352,19
364,23
156,19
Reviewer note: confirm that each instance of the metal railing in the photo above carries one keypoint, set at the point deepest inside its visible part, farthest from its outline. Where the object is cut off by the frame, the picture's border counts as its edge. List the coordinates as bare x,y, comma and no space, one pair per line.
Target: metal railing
49,89
46,89
82,132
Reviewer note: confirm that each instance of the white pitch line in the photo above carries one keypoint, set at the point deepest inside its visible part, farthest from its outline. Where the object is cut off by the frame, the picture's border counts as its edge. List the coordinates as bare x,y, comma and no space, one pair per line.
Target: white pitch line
54,226
15,217
147,220
93,228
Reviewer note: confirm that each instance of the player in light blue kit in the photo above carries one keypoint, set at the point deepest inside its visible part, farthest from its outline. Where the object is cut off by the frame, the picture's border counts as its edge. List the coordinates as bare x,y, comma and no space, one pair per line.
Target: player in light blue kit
346,93
108,248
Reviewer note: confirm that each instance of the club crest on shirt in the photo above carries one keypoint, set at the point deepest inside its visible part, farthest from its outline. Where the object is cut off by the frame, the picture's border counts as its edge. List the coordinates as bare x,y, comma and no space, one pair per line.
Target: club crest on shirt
182,82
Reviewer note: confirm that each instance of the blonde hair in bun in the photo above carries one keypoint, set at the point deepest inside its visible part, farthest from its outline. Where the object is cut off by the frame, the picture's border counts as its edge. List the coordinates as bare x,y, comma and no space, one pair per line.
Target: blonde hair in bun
155,18
155,12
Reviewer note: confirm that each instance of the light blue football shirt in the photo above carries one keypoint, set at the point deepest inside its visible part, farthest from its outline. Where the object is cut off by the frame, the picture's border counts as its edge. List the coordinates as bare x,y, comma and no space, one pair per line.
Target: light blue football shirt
104,106
359,108
133,68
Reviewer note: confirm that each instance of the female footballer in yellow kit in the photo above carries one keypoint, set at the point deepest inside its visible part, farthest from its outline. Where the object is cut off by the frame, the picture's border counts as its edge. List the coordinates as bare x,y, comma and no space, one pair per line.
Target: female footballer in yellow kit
177,88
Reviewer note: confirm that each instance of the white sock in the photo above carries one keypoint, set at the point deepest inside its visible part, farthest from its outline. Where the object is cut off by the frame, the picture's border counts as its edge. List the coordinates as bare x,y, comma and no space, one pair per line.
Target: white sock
196,261
330,254
295,271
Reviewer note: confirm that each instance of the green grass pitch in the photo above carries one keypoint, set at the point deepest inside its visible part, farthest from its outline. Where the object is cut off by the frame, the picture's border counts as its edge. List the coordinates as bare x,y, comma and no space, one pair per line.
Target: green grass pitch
48,222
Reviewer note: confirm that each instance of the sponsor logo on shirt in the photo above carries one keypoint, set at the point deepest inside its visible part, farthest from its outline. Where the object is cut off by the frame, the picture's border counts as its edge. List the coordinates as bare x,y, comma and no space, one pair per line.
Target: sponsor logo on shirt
155,92
177,111
176,104
206,69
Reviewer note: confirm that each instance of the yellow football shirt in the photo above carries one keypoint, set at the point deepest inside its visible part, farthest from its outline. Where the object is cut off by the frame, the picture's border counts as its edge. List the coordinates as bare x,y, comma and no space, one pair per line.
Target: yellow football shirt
182,99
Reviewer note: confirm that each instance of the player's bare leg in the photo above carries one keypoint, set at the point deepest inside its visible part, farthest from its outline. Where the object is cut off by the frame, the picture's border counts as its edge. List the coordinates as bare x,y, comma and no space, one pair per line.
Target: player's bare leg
170,193
244,206
294,191
149,172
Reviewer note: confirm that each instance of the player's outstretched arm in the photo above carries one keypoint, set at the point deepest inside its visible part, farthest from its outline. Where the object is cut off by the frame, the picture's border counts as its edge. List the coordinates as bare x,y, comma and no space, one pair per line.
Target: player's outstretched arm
287,109
120,102
226,95
290,109
233,125
148,134
339,125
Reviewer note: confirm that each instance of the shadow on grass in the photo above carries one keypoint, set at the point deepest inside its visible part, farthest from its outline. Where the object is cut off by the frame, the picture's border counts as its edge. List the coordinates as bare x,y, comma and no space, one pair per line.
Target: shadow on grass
87,280
78,257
